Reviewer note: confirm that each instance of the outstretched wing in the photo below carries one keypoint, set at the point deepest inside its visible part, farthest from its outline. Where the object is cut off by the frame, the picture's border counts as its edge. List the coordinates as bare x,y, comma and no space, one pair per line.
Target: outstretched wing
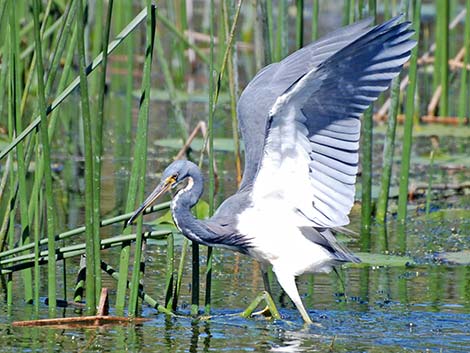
273,80
310,154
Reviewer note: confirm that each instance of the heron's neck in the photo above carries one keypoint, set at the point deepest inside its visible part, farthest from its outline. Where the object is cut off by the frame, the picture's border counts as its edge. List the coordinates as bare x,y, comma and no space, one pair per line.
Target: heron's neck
184,200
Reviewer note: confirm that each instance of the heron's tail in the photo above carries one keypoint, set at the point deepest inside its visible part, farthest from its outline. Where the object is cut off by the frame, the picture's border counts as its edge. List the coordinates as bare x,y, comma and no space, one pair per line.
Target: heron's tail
338,251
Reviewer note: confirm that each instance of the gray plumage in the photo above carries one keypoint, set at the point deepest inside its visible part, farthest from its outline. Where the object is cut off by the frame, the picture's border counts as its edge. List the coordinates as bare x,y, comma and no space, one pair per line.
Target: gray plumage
299,120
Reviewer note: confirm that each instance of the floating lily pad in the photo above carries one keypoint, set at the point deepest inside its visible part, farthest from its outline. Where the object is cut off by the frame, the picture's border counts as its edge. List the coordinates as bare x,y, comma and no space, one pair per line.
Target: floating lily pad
456,258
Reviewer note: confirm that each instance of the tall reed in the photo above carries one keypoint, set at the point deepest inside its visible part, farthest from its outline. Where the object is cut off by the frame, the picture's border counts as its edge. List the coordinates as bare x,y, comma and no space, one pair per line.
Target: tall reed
282,32
44,137
90,230
388,152
98,142
315,12
15,82
299,23
464,91
207,300
140,153
442,50
389,147
366,153
408,126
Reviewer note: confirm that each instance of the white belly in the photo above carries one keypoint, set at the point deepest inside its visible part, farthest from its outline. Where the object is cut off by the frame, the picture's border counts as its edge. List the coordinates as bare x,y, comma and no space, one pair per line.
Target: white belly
276,239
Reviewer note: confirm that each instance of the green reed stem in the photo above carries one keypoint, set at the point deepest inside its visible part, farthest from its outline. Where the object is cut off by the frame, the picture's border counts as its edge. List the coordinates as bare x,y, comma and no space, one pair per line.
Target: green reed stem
21,172
24,261
90,235
346,11
464,91
352,11
443,51
282,31
233,88
140,153
9,213
366,176
207,303
75,83
47,33
142,295
123,129
170,271
299,24
389,147
52,125
182,25
32,66
408,125
264,49
98,151
170,85
80,230
315,12
179,276
182,37
432,171
37,232
50,212
373,8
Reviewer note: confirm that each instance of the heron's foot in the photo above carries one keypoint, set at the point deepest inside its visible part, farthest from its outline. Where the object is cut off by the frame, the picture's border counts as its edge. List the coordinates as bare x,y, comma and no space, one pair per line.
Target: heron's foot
269,311
266,312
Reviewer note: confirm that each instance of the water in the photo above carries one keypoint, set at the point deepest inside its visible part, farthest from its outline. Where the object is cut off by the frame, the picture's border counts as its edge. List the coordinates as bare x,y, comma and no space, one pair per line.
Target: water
424,307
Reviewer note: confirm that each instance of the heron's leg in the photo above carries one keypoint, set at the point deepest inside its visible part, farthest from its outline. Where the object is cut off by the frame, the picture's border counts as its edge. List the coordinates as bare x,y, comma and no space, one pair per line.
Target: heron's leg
267,285
287,282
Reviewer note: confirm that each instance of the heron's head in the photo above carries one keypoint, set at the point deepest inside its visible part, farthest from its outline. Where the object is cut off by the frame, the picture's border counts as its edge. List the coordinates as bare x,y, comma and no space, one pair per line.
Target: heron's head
174,174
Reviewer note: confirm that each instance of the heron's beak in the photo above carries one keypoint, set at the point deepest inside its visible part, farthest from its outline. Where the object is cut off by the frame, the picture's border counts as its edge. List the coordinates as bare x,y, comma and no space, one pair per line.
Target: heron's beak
163,187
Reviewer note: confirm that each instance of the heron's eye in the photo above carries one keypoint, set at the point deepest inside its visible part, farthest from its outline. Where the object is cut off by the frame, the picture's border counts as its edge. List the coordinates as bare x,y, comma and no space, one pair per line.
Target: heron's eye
173,179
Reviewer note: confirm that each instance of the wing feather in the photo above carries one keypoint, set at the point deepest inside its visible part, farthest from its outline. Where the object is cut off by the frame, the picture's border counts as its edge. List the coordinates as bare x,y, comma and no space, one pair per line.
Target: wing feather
272,81
310,157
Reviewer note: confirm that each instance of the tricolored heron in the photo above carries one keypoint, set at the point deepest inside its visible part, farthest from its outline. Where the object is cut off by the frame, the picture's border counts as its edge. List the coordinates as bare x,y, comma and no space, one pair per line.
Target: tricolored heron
300,123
